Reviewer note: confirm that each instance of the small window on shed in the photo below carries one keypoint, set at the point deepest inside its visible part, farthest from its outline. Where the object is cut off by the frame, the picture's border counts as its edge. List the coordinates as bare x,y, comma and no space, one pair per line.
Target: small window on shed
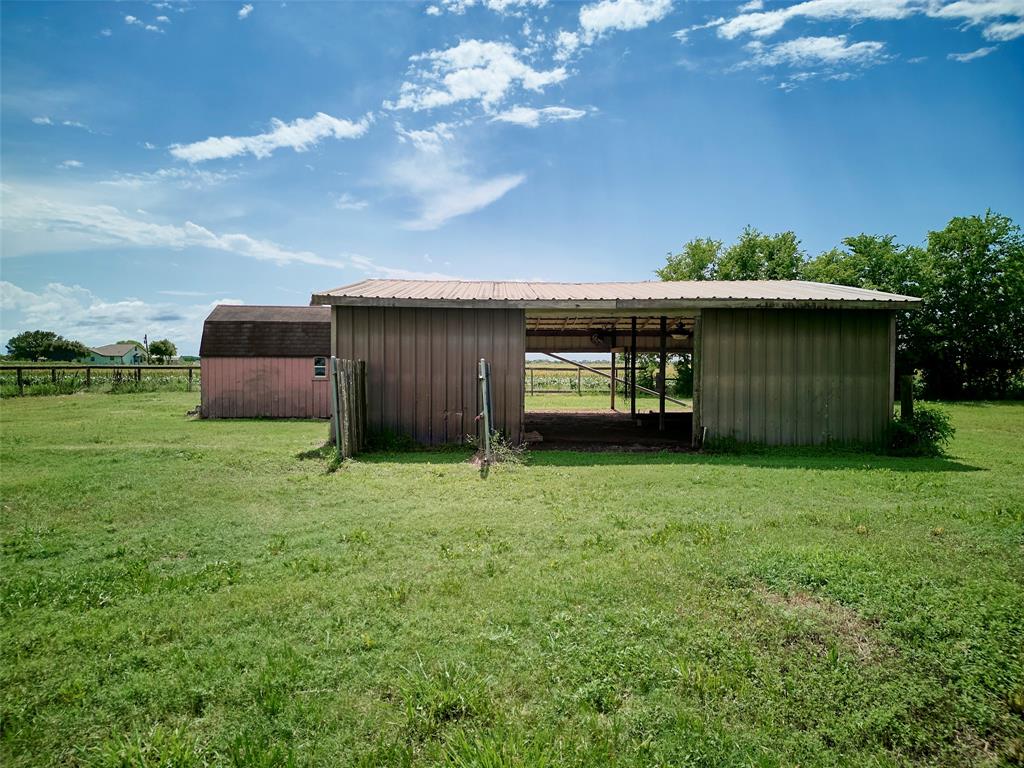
319,367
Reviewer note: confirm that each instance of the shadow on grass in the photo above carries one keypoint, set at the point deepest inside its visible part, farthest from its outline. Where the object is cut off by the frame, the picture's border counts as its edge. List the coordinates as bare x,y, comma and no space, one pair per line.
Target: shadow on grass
766,459
770,459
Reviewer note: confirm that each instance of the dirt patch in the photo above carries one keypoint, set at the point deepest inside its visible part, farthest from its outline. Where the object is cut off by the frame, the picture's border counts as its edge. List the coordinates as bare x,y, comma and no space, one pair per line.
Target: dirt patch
831,620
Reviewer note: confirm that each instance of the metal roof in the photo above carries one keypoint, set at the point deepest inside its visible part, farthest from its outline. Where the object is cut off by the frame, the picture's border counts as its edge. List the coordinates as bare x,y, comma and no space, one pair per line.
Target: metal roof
254,331
254,313
650,294
115,350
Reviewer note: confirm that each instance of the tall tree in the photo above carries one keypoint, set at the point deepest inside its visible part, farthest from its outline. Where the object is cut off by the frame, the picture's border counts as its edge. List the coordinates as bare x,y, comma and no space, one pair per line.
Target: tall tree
44,345
977,305
162,349
758,256
697,261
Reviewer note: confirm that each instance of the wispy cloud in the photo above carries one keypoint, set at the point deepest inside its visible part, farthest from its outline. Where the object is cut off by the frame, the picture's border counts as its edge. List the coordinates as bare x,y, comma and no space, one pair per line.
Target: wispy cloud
71,164
183,178
963,58
348,202
531,117
443,186
299,135
426,139
811,51
46,213
999,19
459,7
42,120
244,11
473,70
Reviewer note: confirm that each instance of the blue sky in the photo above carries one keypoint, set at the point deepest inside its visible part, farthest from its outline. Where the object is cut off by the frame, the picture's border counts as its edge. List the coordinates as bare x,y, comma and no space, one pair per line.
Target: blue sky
160,157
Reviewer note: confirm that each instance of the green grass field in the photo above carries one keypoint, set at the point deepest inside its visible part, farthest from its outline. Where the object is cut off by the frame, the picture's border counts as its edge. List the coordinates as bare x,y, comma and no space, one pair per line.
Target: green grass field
595,402
187,593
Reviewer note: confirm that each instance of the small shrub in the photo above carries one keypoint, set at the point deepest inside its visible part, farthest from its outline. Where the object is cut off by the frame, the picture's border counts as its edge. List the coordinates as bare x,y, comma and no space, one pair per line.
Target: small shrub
503,450
926,433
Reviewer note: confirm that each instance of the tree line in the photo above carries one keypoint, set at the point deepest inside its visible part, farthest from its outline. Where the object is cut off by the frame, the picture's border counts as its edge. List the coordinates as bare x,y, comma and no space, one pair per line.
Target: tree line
967,338
49,346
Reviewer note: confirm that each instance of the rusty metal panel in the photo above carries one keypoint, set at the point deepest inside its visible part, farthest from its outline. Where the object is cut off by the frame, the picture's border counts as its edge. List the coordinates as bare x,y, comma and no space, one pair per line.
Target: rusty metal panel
421,367
796,377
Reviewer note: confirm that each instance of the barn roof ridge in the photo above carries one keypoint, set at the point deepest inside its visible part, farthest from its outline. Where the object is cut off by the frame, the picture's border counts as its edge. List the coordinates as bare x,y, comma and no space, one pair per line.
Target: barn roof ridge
639,294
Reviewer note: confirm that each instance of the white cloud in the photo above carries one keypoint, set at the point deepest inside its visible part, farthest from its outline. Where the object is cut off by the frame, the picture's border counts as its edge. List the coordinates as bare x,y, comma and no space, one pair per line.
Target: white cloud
183,178
963,58
442,185
244,11
148,145
471,71
606,16
531,117
764,23
78,313
347,202
683,35
566,44
163,19
87,225
106,32
426,139
810,51
1004,31
42,120
300,135
132,20
753,5
71,164
1001,19
459,7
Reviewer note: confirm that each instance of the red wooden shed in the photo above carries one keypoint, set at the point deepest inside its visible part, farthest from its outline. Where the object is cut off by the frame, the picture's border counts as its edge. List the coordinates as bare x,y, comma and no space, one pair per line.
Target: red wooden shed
266,362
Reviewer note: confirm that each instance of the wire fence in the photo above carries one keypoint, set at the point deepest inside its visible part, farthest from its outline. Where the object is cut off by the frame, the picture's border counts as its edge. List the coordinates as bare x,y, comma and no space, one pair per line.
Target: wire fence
565,380
30,380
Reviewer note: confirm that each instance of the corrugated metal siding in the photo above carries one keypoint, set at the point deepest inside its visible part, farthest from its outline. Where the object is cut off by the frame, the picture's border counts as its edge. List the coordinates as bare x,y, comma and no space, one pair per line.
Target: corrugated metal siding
421,367
795,377
265,387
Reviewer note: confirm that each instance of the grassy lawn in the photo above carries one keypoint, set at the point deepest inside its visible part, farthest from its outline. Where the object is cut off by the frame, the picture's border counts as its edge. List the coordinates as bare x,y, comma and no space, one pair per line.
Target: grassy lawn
197,593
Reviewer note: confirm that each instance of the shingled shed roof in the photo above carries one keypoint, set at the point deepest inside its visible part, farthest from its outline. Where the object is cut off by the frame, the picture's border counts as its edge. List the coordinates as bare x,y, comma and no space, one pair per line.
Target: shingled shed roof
623,296
253,331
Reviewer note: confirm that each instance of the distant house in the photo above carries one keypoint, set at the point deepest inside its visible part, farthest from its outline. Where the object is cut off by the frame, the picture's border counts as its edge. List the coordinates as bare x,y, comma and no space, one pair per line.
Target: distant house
268,362
117,354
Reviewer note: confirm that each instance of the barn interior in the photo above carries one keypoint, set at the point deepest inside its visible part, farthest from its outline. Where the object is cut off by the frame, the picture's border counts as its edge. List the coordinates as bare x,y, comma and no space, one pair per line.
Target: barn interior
636,417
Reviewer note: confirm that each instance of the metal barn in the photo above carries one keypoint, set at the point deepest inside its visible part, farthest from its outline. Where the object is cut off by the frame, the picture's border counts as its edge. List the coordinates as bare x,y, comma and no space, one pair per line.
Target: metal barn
266,362
775,362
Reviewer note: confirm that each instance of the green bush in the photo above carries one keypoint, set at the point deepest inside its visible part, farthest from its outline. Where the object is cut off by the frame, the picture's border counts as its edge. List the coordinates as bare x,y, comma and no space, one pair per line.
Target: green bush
926,433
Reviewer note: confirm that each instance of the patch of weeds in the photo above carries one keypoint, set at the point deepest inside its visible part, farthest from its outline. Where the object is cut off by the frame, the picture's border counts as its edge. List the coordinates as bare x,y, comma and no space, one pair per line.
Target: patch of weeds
160,747
395,593
503,450
497,750
435,698
248,751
